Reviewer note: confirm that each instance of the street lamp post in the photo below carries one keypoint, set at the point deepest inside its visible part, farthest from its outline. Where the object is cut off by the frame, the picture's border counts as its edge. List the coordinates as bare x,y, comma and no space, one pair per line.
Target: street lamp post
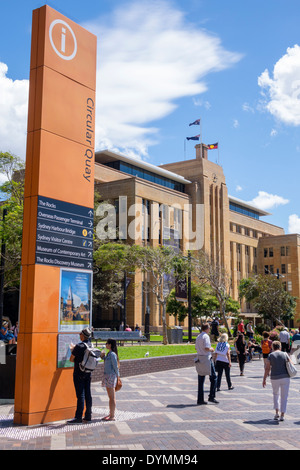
190,298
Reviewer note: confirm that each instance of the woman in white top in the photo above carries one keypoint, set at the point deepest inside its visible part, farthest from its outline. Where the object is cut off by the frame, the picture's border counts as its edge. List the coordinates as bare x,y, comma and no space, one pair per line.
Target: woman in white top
223,361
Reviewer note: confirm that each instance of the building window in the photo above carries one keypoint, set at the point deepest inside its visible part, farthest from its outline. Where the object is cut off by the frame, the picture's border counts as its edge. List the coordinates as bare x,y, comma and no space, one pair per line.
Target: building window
266,269
283,271
271,252
271,269
265,252
243,210
289,286
282,250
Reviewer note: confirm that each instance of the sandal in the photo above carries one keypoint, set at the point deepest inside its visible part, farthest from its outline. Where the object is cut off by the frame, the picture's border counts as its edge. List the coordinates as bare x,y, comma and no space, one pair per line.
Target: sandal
108,418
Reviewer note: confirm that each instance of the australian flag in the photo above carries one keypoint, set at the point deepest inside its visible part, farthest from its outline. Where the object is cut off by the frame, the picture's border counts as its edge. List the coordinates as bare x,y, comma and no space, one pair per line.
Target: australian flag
196,137
195,123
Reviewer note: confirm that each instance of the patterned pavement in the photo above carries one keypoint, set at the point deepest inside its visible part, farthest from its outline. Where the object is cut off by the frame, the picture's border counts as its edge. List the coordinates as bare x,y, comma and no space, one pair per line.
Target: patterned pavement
158,412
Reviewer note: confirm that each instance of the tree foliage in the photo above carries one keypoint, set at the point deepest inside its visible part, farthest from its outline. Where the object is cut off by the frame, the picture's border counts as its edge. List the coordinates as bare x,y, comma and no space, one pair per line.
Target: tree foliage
206,270
268,297
11,227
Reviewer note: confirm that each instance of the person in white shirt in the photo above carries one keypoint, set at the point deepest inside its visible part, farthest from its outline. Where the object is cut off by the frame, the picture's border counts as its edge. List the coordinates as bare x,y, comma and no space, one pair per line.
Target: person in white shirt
284,338
223,361
203,348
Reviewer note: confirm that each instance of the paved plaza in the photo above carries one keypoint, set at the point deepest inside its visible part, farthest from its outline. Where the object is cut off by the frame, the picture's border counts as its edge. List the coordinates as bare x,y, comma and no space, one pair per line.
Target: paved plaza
158,412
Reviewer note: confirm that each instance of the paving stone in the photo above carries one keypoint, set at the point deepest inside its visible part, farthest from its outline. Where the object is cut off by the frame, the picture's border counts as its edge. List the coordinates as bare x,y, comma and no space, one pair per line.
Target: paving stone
160,413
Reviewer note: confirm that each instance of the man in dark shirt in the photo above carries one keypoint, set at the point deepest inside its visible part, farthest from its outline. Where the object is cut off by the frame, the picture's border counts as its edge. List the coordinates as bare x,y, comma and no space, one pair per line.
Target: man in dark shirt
215,329
82,380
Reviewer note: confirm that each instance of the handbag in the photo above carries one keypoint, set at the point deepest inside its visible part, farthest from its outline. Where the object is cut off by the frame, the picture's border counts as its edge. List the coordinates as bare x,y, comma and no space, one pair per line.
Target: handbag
119,385
203,365
291,369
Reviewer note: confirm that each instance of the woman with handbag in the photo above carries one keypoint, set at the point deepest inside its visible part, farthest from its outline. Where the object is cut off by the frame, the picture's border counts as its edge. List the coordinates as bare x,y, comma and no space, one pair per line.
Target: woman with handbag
111,378
280,378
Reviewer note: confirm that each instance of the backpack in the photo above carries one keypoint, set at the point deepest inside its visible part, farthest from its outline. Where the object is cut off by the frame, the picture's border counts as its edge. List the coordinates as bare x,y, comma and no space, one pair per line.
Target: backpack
90,360
265,346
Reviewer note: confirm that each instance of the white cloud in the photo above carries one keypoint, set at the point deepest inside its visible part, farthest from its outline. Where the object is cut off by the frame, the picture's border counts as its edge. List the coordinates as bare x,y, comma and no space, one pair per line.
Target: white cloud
282,98
236,123
273,133
246,107
266,201
238,188
199,102
13,116
294,224
149,57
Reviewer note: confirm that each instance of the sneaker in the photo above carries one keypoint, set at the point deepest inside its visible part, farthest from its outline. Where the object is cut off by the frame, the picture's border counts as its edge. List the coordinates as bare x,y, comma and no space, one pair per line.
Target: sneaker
281,418
230,388
276,417
213,400
201,402
218,389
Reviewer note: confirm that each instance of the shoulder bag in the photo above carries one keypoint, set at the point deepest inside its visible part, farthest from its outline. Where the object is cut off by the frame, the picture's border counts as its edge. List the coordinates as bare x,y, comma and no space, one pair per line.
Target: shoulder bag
291,369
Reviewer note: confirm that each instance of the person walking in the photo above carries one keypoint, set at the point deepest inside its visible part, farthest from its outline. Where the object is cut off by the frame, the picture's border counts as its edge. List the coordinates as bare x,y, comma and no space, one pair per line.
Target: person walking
82,380
280,379
241,350
266,346
223,361
110,377
250,331
241,327
214,329
205,366
284,338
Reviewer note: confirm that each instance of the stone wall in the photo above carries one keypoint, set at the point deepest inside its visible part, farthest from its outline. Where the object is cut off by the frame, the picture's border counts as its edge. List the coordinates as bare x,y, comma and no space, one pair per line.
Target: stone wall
149,365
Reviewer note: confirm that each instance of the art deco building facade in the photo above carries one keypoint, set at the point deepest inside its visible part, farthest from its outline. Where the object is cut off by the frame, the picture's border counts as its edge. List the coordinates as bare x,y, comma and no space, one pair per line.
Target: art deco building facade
185,204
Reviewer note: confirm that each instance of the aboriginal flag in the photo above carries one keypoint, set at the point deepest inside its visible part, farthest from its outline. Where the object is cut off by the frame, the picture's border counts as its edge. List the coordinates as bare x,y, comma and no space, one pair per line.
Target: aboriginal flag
196,137
213,146
195,123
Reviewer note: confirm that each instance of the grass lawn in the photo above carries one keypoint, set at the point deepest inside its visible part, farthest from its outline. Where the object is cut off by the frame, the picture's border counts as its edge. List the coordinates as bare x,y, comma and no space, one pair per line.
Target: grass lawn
137,352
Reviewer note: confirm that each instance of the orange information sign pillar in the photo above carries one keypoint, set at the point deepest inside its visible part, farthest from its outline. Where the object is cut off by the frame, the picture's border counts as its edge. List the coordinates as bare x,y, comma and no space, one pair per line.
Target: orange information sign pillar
58,212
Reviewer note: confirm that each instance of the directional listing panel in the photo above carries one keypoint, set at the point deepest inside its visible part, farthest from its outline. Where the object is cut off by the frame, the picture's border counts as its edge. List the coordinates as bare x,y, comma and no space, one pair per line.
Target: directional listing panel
64,235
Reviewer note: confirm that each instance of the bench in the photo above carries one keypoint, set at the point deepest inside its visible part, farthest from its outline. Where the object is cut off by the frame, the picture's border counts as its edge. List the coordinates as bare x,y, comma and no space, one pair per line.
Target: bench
119,336
234,357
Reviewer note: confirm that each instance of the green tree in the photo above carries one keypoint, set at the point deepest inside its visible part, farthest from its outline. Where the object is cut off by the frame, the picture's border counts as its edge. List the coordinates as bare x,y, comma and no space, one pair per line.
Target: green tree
11,228
268,297
163,265
206,270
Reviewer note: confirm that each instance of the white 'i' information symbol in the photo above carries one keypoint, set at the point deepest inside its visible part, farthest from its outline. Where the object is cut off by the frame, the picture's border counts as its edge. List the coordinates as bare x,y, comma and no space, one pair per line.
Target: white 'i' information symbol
63,32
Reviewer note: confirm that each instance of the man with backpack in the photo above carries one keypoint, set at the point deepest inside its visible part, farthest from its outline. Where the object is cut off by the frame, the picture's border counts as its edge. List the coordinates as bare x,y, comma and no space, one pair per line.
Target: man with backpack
81,378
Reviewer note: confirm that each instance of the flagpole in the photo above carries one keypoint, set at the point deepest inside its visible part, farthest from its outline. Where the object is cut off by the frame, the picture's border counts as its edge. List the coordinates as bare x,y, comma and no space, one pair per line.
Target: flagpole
200,130
184,147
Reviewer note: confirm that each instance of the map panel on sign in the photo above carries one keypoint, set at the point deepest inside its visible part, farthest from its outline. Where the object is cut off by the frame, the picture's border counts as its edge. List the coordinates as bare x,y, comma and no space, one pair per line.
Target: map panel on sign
64,234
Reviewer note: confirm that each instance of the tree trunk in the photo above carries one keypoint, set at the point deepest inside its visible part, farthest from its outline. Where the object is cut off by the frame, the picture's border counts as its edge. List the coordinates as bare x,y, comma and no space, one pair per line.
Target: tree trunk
223,313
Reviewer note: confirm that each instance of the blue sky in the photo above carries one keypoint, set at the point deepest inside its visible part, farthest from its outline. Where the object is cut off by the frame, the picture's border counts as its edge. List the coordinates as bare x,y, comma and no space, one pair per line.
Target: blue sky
162,65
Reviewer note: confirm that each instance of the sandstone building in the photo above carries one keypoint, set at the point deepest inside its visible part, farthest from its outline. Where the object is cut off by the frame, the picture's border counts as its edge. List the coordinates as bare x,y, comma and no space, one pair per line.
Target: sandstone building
183,204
